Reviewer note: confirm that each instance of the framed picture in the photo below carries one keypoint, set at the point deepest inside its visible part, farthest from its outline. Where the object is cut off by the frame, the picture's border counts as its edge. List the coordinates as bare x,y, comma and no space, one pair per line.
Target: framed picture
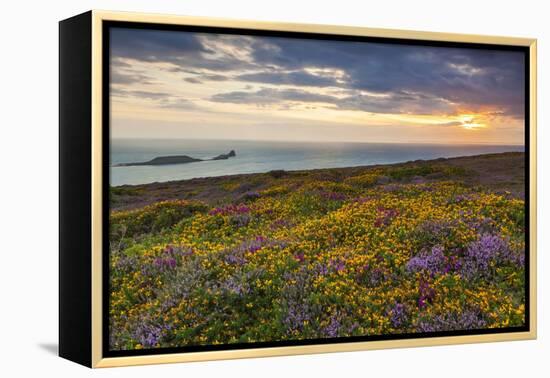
235,189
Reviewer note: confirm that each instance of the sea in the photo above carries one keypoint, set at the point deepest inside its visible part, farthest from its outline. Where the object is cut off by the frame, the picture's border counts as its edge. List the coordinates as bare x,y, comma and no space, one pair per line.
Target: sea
264,156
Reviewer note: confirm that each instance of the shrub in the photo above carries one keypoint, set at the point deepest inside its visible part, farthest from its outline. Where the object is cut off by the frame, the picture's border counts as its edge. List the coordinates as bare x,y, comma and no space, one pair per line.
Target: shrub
278,173
153,218
364,181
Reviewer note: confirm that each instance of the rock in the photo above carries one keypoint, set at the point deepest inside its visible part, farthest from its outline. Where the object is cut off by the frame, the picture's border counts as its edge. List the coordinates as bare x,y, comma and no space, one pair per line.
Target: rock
225,156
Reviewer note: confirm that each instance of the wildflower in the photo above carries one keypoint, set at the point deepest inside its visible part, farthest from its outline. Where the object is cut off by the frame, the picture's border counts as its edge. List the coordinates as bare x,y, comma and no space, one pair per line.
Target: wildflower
147,335
433,261
398,315
466,320
483,254
426,294
165,263
333,196
230,209
338,265
385,216
333,328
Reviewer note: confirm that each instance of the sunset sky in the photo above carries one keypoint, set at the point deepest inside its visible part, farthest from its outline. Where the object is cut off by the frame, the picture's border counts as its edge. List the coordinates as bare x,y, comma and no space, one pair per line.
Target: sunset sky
173,84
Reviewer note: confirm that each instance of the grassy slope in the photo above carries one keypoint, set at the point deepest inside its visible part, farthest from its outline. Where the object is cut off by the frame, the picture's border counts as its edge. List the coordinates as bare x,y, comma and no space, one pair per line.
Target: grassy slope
500,172
414,247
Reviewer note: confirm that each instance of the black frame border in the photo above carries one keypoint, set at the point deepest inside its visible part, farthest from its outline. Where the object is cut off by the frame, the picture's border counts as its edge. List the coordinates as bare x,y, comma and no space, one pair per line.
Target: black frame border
107,25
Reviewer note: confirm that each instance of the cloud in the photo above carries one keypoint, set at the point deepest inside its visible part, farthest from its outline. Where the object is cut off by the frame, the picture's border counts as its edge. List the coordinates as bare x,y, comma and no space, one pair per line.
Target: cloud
153,45
149,95
447,79
160,99
199,78
215,77
192,80
178,104
184,50
118,77
266,96
400,103
297,78
469,78
452,123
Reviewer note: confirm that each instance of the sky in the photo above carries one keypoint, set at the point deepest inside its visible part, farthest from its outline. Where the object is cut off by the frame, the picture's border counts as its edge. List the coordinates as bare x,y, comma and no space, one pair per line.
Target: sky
177,84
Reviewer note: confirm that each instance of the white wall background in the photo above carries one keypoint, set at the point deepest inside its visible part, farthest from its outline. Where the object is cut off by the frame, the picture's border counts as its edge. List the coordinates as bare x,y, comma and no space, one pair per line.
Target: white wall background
28,198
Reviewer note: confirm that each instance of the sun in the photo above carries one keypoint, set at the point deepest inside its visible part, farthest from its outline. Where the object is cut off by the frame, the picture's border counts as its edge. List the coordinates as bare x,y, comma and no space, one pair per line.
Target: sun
470,122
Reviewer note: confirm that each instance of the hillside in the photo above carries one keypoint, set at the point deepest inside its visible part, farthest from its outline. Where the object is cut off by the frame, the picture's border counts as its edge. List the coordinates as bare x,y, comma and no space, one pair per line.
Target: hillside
419,247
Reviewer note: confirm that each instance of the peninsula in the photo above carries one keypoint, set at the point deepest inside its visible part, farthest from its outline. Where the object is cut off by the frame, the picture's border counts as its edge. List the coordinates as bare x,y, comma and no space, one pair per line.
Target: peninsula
176,159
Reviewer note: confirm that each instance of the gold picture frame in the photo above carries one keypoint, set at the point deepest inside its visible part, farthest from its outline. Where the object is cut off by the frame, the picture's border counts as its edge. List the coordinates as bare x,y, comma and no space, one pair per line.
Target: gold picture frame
93,264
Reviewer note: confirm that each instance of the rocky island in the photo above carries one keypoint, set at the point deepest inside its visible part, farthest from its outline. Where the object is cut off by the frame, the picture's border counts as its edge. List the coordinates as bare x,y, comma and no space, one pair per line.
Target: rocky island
225,156
176,159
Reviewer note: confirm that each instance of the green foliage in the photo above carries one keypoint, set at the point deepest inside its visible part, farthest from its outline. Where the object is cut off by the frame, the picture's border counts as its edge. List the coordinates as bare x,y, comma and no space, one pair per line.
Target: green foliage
318,254
152,218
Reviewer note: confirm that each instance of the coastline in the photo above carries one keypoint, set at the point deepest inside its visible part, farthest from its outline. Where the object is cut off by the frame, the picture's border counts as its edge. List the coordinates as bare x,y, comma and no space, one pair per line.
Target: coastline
500,172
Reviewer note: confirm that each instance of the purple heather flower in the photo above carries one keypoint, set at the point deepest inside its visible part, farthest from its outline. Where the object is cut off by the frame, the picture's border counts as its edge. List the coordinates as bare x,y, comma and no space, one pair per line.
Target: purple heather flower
279,223
483,225
241,220
235,287
421,302
165,263
295,299
433,261
188,251
371,276
467,320
385,216
362,199
126,264
426,294
230,210
398,315
333,328
486,252
234,259
297,315
460,198
254,245
319,269
338,265
435,230
333,196
147,335
237,254
171,262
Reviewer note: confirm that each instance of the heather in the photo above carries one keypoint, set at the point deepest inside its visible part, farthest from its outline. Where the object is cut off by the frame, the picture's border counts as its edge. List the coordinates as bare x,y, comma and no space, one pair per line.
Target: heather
416,248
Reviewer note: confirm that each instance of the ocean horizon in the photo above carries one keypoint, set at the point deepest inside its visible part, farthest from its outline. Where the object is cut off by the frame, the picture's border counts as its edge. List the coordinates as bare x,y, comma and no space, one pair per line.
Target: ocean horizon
264,156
